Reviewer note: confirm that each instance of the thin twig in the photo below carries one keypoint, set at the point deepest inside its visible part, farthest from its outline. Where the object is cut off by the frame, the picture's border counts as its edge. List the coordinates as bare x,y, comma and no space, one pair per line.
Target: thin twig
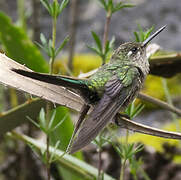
105,36
123,166
126,123
99,163
160,103
48,109
48,157
106,30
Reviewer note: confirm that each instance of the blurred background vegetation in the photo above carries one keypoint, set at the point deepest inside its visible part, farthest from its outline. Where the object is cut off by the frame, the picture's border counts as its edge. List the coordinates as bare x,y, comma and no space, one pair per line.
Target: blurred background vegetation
27,32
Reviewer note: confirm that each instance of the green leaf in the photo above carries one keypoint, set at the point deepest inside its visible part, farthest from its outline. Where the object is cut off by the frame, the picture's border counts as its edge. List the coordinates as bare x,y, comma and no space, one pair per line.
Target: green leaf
60,123
78,167
43,39
138,148
132,109
32,121
111,43
18,115
63,131
61,46
148,32
63,5
55,7
51,52
42,118
53,155
120,6
50,124
110,5
95,50
136,36
104,4
141,35
97,41
47,5
19,47
137,110
107,48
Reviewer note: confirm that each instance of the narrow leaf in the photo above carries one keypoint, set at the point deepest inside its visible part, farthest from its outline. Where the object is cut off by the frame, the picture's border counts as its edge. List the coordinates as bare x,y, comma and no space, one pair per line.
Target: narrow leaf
42,118
148,32
111,43
59,124
137,37
43,39
55,7
107,48
32,121
63,5
120,6
97,40
51,120
138,109
61,46
53,155
46,5
84,170
95,50
110,5
104,4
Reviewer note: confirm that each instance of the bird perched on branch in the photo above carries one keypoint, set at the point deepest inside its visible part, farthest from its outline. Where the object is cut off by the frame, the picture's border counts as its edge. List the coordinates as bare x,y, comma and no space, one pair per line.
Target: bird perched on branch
109,90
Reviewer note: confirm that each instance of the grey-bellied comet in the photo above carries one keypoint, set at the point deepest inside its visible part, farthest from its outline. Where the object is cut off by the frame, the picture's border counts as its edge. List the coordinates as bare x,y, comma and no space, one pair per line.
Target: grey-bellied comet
110,89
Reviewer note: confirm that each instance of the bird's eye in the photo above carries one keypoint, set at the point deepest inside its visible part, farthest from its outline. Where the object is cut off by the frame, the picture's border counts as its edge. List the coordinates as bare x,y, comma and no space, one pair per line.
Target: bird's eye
134,49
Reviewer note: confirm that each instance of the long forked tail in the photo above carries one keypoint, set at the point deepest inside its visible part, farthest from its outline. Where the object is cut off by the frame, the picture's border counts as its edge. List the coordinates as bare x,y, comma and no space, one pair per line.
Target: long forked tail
64,81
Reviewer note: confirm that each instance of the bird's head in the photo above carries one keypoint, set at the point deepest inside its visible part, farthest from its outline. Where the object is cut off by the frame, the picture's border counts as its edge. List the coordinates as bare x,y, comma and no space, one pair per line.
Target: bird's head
134,53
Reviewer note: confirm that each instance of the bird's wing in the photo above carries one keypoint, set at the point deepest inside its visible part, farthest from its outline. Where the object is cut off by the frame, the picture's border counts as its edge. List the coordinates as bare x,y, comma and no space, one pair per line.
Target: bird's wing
116,93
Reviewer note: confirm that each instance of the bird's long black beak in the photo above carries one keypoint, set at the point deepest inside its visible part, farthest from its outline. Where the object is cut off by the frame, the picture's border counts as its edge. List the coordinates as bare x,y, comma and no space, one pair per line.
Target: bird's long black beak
152,36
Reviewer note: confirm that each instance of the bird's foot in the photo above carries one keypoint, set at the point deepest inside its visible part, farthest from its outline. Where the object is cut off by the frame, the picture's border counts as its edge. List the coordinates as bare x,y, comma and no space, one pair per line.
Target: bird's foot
119,116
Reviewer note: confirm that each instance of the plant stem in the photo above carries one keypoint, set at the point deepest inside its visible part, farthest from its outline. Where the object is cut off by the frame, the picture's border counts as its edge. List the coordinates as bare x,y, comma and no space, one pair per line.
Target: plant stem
105,36
100,163
48,157
122,170
48,108
106,30
54,23
51,62
13,98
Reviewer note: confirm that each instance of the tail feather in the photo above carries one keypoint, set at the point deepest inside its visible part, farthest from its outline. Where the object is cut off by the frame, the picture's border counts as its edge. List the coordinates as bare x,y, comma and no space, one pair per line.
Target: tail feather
64,81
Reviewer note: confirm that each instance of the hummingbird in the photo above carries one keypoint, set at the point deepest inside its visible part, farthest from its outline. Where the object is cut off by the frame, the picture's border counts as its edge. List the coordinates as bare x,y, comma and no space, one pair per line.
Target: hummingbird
109,90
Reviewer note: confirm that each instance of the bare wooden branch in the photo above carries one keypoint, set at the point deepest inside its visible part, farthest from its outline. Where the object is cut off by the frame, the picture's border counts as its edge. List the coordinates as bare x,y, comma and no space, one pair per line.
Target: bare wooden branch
62,96
53,93
167,65
160,103
137,127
